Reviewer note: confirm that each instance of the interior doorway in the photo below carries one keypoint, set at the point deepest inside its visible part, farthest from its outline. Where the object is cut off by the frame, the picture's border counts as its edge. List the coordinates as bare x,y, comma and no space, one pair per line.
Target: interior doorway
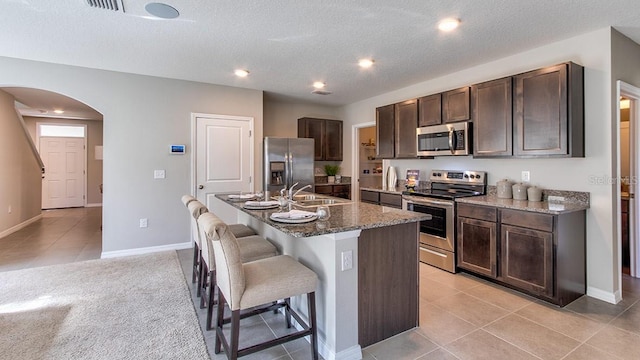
367,170
628,172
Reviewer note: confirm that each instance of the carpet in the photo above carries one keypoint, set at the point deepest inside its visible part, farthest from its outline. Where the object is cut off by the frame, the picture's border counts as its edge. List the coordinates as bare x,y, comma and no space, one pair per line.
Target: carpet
135,307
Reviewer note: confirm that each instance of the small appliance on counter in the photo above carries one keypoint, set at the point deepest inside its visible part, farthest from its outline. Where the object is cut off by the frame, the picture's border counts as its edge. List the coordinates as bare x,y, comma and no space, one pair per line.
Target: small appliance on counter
391,179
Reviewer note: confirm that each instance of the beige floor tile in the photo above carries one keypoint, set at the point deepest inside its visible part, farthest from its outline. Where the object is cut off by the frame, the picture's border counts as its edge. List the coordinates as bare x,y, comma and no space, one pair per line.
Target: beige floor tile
408,345
500,296
471,309
438,354
431,290
367,356
441,326
587,352
563,321
531,337
597,309
480,345
621,343
460,281
629,320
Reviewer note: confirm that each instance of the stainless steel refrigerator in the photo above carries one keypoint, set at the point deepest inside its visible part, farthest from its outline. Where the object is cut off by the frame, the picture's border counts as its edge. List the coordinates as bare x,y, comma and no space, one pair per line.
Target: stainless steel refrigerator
287,161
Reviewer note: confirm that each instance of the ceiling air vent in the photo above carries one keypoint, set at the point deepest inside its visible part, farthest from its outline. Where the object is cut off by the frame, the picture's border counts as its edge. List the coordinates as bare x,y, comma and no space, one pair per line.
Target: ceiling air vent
321,92
115,5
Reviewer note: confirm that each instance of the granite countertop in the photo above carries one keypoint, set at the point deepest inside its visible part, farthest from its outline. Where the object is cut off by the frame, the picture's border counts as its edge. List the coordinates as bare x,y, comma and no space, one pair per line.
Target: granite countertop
347,217
546,207
395,190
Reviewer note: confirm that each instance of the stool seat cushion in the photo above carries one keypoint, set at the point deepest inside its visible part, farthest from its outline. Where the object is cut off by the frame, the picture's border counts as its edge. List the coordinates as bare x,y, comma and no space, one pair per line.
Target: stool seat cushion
274,278
240,230
255,247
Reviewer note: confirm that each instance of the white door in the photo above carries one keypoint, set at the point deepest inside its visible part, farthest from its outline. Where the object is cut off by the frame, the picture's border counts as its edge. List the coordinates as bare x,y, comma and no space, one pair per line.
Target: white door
224,160
63,182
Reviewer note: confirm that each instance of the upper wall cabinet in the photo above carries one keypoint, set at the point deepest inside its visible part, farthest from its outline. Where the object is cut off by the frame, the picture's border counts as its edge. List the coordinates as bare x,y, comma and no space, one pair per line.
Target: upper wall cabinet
327,135
385,132
406,118
549,112
455,105
492,118
430,110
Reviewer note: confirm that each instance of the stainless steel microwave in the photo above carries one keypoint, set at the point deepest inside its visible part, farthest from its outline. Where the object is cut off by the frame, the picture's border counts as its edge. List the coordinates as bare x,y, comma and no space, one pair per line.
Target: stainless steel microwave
448,139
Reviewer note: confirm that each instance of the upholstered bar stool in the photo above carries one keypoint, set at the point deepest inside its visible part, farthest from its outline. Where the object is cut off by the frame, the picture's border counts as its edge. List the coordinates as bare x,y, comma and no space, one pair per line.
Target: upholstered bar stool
256,287
196,208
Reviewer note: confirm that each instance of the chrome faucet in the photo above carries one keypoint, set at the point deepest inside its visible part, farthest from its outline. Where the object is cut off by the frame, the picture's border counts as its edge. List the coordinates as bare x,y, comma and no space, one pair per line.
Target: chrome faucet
297,191
291,191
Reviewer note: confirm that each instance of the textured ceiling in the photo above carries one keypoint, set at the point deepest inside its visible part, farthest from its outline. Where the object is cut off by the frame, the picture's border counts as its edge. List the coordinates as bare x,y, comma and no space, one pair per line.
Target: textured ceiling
287,45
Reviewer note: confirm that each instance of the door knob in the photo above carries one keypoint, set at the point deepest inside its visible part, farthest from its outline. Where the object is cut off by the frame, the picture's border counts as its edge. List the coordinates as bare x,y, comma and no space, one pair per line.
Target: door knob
200,187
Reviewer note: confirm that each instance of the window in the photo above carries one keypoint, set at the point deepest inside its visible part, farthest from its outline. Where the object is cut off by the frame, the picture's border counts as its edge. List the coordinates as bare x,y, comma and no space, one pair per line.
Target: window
61,131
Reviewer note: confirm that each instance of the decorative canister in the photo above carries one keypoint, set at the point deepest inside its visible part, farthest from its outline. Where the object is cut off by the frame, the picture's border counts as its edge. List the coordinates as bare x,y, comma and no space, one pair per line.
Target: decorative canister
503,189
519,191
534,193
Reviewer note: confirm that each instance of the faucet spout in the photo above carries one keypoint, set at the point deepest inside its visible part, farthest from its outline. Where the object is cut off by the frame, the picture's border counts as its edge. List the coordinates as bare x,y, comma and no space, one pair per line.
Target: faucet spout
291,191
302,188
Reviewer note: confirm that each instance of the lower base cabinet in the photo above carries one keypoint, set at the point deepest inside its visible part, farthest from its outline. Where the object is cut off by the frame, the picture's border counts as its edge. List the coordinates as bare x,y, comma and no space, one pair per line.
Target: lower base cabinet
542,255
341,191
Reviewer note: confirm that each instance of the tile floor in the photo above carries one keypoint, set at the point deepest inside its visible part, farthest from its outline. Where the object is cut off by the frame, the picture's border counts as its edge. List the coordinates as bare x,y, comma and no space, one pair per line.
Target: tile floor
461,317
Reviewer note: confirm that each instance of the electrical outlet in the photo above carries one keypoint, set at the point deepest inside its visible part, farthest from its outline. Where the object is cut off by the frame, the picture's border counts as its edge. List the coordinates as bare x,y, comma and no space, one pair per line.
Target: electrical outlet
144,223
526,176
347,260
158,174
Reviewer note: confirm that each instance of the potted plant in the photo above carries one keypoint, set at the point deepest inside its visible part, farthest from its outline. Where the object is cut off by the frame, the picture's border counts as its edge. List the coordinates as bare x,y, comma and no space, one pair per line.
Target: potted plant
331,171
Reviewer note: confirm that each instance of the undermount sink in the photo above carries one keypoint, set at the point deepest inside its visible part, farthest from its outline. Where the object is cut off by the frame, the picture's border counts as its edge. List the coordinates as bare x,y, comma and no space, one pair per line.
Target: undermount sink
317,202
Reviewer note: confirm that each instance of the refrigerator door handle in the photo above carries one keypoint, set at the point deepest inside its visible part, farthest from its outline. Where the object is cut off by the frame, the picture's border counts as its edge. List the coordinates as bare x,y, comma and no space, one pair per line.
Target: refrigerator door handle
290,181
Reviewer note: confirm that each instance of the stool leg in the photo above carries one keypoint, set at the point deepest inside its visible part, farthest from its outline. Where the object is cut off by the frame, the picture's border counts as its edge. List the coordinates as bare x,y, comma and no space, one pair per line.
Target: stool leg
219,321
235,335
204,283
311,301
196,263
212,288
287,314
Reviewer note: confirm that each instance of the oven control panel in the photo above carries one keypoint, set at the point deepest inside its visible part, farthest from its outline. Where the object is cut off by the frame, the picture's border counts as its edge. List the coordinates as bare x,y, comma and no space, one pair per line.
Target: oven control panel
459,176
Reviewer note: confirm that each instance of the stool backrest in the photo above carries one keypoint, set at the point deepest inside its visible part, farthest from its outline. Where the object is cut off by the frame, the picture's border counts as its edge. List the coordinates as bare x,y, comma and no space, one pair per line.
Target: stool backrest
196,208
229,271
186,199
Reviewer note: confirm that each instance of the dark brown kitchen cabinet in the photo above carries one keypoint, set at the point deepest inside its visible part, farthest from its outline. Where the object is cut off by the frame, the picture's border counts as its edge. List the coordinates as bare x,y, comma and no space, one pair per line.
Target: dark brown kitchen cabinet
455,105
381,198
406,122
477,239
549,112
327,135
430,110
337,190
492,118
372,197
385,132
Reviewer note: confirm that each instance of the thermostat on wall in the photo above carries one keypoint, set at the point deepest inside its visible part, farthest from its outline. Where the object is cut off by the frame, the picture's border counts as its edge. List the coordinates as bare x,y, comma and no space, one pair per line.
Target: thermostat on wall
177,149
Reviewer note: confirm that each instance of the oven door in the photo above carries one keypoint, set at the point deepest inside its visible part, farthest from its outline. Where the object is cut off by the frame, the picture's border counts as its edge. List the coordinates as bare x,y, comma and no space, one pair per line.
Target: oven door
439,231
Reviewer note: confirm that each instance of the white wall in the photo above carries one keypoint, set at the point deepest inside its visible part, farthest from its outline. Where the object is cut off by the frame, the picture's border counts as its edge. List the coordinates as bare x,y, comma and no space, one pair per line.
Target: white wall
592,50
142,116
281,118
20,174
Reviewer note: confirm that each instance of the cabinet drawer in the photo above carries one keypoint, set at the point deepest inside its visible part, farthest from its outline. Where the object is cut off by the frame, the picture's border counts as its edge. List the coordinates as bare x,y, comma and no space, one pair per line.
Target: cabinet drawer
323,189
341,189
529,220
369,196
477,212
392,200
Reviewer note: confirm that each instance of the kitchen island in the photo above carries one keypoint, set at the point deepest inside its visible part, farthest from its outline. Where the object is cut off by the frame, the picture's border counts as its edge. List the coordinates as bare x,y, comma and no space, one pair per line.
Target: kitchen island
366,259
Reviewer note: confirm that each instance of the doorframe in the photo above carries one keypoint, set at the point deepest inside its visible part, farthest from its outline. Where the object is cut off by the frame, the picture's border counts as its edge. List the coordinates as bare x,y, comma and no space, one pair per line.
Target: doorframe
633,93
194,116
355,175
85,195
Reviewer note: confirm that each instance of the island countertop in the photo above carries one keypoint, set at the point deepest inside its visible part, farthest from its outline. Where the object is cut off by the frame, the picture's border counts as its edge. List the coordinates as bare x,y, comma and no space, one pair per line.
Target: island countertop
344,217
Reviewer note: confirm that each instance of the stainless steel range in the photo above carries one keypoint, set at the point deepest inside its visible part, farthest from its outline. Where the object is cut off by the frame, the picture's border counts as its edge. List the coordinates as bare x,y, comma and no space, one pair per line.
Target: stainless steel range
437,236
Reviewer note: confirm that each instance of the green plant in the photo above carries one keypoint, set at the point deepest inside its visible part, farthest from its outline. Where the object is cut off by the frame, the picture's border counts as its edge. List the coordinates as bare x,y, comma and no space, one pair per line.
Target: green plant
331,170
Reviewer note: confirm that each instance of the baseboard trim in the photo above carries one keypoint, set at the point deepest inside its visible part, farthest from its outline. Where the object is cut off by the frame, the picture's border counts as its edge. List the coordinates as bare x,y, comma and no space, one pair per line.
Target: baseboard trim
352,353
23,224
610,297
146,250
94,205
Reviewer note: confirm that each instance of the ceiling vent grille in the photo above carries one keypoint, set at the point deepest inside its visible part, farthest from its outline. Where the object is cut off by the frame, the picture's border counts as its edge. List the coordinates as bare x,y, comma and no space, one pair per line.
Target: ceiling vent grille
114,5
321,92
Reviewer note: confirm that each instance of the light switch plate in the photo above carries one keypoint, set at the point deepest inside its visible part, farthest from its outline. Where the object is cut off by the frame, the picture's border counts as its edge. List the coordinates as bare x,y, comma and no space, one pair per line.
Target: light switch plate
158,174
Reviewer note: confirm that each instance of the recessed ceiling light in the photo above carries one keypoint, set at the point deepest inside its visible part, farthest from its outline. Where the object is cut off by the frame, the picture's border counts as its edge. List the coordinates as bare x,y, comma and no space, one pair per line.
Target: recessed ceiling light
318,85
58,111
161,10
241,73
365,63
448,24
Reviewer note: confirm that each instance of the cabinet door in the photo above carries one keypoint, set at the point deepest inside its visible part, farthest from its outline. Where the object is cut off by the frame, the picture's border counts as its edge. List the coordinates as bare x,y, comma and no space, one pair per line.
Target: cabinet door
406,124
333,140
540,123
430,110
367,196
385,130
477,249
314,129
324,189
527,259
391,200
492,118
455,104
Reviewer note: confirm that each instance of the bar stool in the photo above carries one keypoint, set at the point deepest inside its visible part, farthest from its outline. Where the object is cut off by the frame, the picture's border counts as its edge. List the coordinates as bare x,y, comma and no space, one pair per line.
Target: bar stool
258,285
